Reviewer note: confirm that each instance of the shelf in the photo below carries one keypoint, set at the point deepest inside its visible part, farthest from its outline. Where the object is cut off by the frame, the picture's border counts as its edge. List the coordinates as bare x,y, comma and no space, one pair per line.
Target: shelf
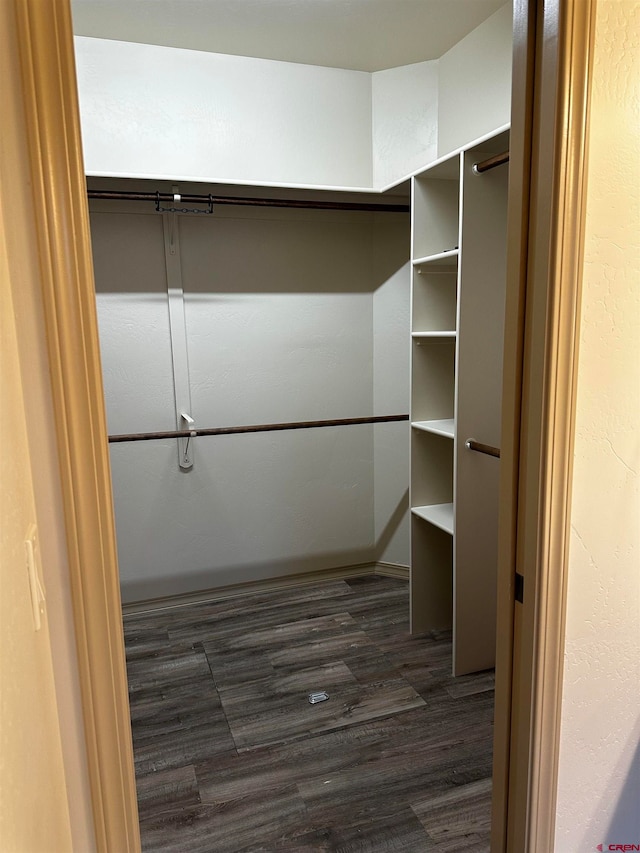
442,336
433,378
434,295
440,515
442,259
445,427
436,218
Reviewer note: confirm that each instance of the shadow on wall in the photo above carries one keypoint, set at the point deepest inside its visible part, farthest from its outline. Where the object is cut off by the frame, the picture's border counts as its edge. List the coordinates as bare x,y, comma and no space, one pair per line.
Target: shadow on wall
292,568
203,581
624,827
265,251
621,800
391,527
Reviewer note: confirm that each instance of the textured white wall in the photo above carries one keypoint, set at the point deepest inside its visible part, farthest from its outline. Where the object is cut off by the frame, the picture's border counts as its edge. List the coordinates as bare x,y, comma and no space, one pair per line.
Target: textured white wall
475,83
150,111
405,120
131,288
280,323
158,112
599,774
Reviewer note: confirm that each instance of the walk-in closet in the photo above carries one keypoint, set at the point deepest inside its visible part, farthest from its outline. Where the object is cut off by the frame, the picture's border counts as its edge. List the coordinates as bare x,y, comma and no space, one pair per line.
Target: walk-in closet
253,316
300,284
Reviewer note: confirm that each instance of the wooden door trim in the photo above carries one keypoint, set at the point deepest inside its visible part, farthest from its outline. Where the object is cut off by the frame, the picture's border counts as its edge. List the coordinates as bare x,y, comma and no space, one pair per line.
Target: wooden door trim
51,109
552,70
555,265
524,23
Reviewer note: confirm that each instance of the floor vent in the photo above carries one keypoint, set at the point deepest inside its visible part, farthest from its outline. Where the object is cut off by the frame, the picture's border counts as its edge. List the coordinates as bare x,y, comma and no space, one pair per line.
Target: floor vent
319,696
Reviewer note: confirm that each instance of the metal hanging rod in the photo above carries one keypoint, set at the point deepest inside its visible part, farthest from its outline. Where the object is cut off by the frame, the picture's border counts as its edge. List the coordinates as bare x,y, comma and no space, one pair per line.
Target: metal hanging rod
209,200
491,163
235,430
472,444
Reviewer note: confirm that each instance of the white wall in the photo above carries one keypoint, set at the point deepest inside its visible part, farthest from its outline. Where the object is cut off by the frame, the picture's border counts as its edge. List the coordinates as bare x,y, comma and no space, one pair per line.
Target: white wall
150,111
475,83
131,288
405,120
391,306
280,320
159,112
599,772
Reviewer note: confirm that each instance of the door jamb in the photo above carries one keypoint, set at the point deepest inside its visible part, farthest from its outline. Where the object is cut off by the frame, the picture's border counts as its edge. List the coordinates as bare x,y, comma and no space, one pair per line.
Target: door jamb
552,71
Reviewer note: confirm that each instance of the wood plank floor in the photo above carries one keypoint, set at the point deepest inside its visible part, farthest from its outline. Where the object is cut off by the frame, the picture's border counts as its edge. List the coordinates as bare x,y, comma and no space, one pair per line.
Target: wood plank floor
230,756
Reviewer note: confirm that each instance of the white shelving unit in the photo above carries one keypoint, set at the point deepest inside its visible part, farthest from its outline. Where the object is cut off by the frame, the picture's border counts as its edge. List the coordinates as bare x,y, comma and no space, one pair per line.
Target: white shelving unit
441,515
444,426
457,316
445,260
418,336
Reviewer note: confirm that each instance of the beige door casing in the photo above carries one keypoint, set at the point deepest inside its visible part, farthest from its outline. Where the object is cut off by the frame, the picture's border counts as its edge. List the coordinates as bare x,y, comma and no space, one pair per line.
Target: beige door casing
553,43
59,205
551,72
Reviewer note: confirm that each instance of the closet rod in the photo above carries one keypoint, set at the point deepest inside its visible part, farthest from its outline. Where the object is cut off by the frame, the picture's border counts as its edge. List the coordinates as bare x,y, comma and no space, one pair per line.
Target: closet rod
487,449
152,436
491,163
190,198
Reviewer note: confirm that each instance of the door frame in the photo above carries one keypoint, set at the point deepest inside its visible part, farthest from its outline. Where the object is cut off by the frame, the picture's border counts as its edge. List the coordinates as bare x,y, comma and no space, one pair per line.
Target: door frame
552,66
551,70
59,199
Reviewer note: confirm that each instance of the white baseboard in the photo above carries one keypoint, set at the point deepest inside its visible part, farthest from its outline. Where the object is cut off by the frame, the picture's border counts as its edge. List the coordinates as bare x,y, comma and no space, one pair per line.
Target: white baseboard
389,570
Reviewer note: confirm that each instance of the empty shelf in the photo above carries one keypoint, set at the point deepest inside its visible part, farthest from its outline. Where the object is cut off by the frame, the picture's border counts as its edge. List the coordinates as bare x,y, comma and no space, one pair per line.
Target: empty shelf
439,335
442,259
446,426
440,515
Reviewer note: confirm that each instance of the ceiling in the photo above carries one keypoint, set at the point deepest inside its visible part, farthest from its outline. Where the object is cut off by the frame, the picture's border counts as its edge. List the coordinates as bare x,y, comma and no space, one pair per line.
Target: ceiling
363,35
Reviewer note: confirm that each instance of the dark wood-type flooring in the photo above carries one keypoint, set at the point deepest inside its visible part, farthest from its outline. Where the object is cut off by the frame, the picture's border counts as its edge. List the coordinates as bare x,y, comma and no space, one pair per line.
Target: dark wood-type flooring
230,756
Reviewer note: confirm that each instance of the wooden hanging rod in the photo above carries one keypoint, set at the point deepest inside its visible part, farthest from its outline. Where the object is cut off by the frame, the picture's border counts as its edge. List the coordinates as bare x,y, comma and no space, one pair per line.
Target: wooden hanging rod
487,449
191,198
235,430
491,163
